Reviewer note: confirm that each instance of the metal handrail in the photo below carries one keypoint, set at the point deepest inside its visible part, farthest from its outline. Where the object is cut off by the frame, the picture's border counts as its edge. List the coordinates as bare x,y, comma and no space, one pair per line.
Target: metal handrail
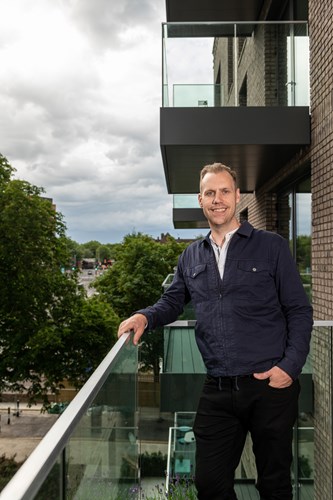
33,472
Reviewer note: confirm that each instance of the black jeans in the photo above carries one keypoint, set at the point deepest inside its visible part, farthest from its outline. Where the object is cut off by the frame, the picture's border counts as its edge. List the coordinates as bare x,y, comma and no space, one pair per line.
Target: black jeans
229,408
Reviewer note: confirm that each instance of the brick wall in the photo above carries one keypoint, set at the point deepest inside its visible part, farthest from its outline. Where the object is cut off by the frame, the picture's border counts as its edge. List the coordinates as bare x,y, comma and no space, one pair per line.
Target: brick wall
321,82
261,63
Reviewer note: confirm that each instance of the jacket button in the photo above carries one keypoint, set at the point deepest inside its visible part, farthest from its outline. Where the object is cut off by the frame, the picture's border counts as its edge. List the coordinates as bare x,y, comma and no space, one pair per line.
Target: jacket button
194,274
254,269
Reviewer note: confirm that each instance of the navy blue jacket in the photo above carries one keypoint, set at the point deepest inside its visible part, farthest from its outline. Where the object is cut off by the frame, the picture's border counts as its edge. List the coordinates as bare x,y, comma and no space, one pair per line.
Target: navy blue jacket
257,317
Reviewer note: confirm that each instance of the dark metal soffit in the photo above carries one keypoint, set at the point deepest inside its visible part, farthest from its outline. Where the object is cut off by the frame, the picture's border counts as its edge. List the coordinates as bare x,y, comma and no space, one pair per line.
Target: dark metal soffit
256,142
213,10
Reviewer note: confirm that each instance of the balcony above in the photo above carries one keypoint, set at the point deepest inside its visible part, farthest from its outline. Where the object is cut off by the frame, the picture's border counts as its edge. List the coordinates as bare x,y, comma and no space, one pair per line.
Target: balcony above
230,10
235,93
213,10
254,141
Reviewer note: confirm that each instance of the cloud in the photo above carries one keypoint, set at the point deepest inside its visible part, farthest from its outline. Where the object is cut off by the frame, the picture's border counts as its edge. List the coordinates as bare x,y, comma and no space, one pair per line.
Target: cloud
116,24
80,91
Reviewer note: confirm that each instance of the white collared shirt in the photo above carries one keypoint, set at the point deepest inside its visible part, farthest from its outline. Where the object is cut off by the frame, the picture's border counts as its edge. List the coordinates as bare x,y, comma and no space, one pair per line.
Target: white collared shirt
221,251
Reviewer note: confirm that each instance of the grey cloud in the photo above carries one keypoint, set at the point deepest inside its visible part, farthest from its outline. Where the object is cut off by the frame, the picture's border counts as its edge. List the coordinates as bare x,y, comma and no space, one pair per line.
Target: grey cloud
85,126
105,21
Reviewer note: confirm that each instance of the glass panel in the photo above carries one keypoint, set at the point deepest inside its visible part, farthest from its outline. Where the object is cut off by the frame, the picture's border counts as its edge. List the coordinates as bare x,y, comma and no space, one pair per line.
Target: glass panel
181,458
246,469
52,488
188,61
102,454
294,224
165,88
185,201
303,234
195,95
298,79
257,64
285,218
305,454
184,418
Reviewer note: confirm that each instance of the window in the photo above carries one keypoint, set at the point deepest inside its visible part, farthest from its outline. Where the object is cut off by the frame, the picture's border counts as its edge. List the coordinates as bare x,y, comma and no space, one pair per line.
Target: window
294,224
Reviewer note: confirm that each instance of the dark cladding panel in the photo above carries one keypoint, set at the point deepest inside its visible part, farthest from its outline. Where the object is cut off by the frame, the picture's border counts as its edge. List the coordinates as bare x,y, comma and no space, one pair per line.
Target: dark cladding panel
213,10
255,141
189,218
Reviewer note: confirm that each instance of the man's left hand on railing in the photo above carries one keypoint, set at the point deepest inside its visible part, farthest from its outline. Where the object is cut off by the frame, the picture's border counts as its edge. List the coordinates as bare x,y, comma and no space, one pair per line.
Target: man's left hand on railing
136,323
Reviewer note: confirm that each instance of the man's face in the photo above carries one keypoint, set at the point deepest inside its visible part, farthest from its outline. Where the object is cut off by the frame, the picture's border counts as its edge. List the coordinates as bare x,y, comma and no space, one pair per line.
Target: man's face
218,199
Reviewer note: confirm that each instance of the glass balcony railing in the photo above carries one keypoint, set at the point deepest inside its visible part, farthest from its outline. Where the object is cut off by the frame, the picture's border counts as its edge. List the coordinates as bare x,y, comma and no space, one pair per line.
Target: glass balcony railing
235,64
192,96
185,201
91,452
181,449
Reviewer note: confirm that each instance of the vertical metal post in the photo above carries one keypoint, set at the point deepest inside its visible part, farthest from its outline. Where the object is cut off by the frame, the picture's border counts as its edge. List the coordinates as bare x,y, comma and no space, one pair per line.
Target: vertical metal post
235,66
63,476
292,66
295,463
168,471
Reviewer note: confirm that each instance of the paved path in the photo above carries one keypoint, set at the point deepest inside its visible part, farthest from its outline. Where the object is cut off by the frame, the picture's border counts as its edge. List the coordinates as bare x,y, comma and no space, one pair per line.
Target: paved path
22,435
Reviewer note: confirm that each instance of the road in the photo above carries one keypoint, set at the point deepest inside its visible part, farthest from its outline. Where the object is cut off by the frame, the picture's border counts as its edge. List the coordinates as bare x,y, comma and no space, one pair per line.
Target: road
86,278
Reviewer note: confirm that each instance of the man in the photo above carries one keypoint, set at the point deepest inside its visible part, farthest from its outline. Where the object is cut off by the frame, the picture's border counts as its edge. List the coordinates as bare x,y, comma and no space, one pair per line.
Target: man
253,330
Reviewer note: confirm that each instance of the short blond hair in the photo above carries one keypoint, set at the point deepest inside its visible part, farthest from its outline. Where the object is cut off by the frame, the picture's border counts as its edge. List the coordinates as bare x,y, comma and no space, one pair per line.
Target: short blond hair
216,168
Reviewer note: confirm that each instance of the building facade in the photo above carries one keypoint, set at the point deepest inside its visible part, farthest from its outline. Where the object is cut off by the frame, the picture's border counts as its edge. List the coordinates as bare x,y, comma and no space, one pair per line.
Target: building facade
266,110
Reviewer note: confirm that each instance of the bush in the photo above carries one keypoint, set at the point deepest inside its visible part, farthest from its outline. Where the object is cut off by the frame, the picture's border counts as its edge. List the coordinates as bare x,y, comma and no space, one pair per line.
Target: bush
153,464
8,467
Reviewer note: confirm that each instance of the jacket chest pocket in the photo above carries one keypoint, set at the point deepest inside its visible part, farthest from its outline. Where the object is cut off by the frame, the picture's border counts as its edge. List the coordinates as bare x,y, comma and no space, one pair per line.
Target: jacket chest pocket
253,273
196,279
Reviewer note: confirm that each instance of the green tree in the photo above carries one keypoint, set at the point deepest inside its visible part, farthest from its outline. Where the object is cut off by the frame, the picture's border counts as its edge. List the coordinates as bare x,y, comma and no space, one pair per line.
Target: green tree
75,251
78,346
135,281
303,252
103,252
46,330
89,249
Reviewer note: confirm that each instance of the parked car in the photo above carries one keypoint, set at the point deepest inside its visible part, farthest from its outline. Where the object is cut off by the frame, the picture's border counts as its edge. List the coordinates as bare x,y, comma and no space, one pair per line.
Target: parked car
57,407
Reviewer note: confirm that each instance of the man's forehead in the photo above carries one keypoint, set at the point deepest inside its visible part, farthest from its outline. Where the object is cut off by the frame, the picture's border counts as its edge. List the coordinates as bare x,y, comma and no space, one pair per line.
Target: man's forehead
219,178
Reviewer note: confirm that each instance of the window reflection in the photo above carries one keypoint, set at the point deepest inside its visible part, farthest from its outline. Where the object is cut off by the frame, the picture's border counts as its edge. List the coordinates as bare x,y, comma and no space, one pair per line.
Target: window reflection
294,224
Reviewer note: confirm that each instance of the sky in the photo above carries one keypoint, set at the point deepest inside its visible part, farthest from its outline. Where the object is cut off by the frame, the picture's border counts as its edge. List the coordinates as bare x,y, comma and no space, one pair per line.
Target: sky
80,92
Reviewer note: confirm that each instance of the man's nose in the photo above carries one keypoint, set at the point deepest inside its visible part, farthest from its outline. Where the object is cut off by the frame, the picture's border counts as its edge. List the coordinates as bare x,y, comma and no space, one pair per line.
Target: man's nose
218,198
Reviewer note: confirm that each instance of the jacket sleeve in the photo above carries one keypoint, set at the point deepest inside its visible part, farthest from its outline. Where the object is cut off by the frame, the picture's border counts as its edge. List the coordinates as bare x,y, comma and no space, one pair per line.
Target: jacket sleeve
297,311
170,305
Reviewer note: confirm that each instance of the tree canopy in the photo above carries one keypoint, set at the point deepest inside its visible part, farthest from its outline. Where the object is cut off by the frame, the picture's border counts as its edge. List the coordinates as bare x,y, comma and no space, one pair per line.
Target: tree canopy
46,327
135,281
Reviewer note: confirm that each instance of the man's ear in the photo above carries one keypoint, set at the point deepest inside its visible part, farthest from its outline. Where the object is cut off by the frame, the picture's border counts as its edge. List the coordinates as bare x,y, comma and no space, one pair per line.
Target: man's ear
200,200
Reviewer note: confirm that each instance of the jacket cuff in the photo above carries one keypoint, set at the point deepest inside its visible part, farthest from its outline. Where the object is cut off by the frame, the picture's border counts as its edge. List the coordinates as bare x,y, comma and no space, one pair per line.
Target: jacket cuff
289,367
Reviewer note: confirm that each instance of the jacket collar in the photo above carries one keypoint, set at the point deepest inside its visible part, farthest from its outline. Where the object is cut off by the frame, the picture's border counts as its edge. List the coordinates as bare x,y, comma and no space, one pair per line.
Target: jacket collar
245,230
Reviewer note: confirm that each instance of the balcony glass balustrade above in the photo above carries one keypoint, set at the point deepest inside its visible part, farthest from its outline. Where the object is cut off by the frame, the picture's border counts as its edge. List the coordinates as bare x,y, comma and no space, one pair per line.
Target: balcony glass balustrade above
185,201
235,64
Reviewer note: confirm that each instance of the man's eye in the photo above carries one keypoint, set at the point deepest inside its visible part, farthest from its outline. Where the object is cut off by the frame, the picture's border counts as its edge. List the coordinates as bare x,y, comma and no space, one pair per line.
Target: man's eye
209,193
